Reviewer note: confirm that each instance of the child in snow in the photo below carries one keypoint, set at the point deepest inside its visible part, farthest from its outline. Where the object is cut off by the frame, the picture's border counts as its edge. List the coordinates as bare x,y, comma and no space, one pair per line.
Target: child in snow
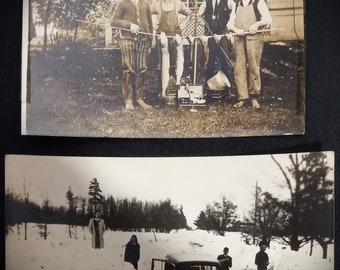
132,253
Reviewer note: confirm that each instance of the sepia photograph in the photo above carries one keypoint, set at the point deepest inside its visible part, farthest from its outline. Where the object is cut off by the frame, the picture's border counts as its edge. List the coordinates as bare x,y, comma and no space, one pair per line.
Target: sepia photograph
261,212
163,68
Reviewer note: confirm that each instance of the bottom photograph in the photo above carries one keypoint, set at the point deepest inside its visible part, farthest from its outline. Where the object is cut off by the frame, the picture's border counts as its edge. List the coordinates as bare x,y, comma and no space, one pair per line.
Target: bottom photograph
260,212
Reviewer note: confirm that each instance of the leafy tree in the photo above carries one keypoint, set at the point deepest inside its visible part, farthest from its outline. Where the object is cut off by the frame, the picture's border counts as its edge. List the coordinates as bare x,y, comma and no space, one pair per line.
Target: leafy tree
70,13
306,180
271,216
218,216
201,222
45,10
318,198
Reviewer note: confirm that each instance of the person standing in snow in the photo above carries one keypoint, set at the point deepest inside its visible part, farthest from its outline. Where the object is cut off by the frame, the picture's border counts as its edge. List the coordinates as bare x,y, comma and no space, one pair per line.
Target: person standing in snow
97,229
132,252
261,258
225,260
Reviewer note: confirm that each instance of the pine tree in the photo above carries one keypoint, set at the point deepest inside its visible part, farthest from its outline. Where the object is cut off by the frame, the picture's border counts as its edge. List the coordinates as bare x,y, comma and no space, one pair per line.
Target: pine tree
71,212
218,216
96,198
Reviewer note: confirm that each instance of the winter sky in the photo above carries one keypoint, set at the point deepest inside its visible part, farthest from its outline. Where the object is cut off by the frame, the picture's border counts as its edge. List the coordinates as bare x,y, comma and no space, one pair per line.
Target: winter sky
192,182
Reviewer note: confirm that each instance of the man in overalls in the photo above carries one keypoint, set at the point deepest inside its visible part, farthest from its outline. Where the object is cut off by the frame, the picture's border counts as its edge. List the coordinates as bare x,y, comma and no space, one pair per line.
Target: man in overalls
246,19
167,12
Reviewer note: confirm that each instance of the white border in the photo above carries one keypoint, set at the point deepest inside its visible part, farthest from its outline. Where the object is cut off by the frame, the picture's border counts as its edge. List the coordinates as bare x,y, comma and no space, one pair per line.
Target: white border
24,60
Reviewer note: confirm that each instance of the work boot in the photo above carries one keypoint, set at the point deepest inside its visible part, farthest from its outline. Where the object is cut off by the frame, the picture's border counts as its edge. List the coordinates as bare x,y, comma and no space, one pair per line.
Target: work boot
127,90
139,91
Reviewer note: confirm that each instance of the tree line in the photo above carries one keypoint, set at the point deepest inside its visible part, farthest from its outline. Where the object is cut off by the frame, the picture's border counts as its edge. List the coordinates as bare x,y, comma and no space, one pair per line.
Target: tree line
67,16
306,217
119,214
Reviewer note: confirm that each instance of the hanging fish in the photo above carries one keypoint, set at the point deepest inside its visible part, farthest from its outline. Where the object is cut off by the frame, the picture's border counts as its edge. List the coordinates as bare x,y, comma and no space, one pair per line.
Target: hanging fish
165,62
204,42
179,59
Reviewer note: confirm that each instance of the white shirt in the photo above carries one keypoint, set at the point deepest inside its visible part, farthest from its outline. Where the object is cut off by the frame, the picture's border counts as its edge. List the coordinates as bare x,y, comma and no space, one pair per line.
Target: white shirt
203,6
266,18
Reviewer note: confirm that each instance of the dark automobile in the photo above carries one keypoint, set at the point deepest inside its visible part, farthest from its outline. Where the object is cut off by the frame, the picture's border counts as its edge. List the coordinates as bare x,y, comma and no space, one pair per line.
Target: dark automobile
186,261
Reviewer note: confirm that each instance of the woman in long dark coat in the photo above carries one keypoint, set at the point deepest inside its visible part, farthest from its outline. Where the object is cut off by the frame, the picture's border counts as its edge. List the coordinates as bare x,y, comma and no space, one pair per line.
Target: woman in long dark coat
97,229
132,253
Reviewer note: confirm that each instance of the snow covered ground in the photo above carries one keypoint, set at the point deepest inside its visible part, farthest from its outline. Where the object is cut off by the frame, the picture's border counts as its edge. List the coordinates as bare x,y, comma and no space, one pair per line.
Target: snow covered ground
59,252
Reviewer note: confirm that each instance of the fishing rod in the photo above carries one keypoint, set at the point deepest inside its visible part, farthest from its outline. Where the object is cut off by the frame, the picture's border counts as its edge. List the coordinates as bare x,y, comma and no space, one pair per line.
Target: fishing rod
158,35
249,33
124,29
128,30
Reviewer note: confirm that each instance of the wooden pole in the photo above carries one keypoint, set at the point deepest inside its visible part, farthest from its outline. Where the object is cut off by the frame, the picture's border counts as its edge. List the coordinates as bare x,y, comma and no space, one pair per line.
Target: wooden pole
195,45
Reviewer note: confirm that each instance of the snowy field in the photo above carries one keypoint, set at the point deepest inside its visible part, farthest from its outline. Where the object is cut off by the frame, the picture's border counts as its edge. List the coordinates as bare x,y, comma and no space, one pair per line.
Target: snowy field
59,252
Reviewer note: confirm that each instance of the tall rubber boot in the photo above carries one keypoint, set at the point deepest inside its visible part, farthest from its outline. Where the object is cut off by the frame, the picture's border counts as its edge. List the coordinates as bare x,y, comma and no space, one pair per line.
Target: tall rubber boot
128,90
140,78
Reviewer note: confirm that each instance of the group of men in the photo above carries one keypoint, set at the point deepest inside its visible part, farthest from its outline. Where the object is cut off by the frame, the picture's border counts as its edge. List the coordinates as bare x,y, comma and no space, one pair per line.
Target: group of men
261,258
243,18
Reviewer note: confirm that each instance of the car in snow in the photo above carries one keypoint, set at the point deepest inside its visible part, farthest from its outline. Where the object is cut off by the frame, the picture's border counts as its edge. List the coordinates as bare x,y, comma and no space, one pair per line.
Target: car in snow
186,261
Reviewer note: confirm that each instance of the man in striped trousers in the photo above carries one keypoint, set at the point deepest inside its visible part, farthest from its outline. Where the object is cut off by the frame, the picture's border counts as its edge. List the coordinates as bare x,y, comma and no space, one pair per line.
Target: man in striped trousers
135,17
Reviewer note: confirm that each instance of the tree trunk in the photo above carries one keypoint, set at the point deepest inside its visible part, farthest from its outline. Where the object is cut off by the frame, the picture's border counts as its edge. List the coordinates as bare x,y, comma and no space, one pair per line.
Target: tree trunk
294,239
324,246
69,231
75,34
324,250
25,230
311,247
266,239
47,15
294,242
18,228
32,32
45,231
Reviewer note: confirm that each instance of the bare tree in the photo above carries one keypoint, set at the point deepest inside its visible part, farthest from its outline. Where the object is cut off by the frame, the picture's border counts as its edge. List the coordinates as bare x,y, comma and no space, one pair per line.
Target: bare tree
45,213
26,202
71,212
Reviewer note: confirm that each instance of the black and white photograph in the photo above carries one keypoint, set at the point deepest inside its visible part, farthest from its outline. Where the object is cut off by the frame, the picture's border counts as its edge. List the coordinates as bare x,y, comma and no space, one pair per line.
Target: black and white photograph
229,212
163,68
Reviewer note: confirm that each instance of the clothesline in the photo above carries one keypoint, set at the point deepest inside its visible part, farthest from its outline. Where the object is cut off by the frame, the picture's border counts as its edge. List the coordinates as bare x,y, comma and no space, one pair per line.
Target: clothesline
158,35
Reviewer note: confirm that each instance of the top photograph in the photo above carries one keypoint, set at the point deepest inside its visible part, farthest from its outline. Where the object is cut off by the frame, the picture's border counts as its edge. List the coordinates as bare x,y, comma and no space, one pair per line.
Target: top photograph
163,68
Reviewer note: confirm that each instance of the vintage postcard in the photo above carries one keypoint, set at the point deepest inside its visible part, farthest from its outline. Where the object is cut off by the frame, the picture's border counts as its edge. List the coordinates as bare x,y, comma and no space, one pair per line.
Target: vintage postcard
245,212
163,68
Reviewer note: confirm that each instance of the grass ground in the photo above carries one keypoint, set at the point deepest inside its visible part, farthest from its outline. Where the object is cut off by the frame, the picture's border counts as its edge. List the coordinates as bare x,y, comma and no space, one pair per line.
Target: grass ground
77,92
